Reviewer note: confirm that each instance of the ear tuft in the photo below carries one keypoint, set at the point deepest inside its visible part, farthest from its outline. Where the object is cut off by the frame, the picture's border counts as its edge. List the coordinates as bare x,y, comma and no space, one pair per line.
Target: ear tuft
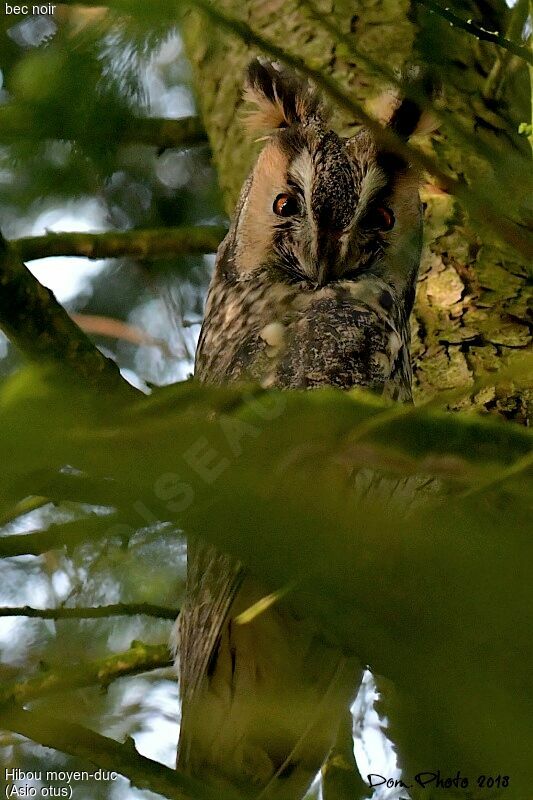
410,116
280,98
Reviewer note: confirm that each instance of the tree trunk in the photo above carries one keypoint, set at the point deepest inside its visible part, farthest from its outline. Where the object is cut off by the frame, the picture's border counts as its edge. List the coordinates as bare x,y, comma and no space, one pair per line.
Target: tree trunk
473,310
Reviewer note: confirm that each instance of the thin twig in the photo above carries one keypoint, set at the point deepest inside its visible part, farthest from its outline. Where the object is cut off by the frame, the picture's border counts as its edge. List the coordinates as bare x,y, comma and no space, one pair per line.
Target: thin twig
145,244
137,509
477,31
96,612
165,133
74,487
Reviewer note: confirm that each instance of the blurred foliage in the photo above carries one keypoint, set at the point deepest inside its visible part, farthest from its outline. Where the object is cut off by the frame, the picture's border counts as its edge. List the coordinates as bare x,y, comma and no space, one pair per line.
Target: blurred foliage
101,63
453,574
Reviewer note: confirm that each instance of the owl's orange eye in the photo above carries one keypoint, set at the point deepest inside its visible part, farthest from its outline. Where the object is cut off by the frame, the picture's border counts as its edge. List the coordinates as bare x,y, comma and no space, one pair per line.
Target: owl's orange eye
380,219
387,218
285,205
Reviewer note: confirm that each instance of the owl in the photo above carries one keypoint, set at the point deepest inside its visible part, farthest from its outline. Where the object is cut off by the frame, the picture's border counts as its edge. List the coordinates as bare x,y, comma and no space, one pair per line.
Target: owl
313,286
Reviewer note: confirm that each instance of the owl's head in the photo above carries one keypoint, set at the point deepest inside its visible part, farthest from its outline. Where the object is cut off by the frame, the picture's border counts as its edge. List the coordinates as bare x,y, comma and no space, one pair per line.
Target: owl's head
318,208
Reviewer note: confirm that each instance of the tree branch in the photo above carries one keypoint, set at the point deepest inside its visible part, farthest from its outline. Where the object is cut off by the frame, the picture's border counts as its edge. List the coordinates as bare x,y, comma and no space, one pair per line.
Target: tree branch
165,133
97,612
157,243
496,76
42,330
60,535
17,123
25,506
530,133
108,754
139,658
477,31
57,487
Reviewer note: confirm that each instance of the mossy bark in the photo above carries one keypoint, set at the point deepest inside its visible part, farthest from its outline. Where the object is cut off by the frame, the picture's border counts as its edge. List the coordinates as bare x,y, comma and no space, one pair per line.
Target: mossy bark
473,311
147,244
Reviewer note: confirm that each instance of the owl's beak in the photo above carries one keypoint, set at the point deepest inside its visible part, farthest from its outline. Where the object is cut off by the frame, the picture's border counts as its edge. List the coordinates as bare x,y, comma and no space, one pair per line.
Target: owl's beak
328,255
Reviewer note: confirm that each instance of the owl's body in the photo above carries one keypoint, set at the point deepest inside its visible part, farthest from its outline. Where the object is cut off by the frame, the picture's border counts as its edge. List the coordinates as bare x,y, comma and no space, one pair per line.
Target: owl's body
313,286
296,337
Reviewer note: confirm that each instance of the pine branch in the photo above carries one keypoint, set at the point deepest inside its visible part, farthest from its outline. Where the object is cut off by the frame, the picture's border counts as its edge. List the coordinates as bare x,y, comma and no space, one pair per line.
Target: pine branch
139,658
17,123
107,754
145,244
42,330
477,31
97,612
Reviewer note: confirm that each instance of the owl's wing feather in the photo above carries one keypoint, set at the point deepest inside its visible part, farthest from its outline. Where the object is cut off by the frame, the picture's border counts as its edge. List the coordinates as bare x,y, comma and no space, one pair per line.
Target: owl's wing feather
213,580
